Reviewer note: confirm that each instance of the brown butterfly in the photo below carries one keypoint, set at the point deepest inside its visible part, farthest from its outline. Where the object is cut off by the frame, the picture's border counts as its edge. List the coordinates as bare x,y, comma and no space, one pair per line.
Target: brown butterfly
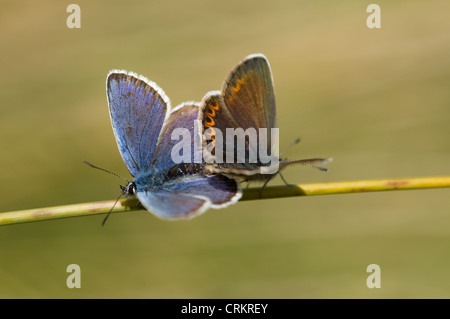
247,101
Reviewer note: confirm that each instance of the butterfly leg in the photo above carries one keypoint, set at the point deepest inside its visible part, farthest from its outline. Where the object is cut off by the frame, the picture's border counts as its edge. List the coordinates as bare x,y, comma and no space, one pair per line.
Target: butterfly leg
265,184
282,177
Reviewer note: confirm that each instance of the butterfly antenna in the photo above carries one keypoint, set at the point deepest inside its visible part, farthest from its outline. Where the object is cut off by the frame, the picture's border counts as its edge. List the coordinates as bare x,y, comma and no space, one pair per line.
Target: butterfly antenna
323,169
295,142
105,170
308,162
107,215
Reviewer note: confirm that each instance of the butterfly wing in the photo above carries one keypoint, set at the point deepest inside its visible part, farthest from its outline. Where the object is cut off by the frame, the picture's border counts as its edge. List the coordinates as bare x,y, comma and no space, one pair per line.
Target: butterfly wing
215,118
188,196
185,117
221,191
137,108
247,101
249,94
247,98
168,204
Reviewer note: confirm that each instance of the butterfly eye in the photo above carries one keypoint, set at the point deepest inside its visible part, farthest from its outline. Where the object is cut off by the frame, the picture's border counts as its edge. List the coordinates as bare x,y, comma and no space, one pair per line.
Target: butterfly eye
128,190
132,188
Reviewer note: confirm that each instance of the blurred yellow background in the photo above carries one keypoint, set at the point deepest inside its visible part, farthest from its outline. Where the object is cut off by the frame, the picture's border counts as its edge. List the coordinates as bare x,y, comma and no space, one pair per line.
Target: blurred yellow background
376,100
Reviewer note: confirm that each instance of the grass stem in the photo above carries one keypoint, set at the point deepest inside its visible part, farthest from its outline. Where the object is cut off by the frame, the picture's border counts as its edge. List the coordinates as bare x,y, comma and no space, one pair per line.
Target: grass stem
127,204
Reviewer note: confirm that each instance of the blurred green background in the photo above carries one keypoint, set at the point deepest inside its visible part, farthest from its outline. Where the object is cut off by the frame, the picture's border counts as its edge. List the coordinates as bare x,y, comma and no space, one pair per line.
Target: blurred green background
376,100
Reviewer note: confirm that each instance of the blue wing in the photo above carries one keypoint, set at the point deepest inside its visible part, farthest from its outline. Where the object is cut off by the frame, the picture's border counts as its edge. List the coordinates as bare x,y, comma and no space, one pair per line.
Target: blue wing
137,108
221,191
183,116
190,195
167,204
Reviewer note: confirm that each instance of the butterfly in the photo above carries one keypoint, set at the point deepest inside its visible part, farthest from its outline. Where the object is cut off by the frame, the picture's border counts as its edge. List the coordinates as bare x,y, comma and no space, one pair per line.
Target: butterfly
143,123
247,100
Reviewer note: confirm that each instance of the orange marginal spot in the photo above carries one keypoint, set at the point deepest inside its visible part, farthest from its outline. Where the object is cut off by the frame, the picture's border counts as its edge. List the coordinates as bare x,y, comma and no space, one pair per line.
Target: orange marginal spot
210,123
239,83
214,105
212,113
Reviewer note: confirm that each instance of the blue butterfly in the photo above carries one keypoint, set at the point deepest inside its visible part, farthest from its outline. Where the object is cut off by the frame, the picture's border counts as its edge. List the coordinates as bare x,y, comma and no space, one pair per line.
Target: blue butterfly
142,122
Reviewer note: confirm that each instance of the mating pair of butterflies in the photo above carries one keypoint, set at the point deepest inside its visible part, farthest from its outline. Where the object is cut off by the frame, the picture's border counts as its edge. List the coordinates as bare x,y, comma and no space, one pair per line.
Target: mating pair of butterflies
143,123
